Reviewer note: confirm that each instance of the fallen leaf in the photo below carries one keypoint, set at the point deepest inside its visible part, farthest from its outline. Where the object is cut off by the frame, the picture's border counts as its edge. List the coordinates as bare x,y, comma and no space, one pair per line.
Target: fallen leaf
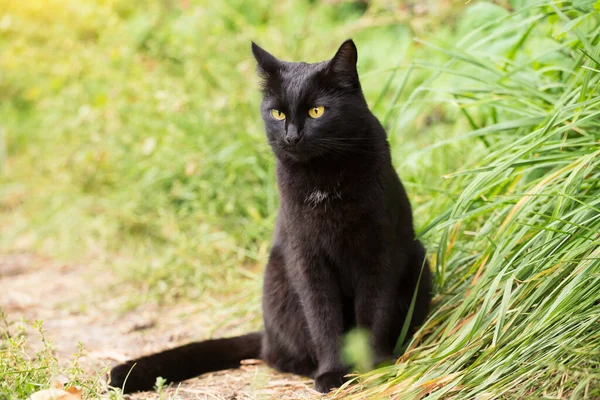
56,392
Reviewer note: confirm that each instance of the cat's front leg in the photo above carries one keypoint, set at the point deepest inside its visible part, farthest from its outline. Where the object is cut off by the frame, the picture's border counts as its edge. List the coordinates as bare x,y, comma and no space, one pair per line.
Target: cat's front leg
375,306
322,306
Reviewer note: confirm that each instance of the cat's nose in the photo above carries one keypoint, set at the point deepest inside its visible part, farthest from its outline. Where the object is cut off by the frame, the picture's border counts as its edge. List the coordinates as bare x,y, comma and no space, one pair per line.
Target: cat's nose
292,140
292,135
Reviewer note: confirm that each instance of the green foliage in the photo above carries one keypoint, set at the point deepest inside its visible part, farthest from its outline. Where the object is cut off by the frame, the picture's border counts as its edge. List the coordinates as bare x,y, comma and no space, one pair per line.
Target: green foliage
132,130
518,261
23,372
357,351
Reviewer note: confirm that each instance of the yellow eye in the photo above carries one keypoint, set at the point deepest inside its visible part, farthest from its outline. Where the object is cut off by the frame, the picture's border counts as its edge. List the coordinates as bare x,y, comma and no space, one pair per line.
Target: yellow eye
278,115
316,112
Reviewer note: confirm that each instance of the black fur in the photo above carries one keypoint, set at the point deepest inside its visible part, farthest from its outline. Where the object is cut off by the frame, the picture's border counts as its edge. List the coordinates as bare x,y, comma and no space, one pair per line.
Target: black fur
344,253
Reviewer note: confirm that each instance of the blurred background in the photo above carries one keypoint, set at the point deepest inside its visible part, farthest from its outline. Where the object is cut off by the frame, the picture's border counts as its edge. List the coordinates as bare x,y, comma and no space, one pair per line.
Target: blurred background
133,137
133,163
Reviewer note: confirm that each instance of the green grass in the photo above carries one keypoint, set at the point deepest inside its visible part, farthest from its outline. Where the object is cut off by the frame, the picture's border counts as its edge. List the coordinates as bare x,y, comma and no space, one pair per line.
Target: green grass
518,260
23,371
133,132
130,136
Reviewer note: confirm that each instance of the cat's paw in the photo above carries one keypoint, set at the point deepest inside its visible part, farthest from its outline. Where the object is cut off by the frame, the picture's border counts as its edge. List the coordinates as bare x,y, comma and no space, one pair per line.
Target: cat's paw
329,380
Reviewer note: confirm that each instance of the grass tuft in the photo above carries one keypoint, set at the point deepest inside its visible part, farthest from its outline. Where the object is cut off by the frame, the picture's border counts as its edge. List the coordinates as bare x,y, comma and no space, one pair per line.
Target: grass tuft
517,263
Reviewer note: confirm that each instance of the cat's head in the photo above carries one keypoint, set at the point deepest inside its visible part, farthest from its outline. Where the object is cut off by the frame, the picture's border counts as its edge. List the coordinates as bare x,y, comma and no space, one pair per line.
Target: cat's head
312,110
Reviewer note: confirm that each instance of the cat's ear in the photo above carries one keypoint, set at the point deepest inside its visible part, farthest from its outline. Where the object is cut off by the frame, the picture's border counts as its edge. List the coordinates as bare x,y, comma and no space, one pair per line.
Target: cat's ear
343,64
267,65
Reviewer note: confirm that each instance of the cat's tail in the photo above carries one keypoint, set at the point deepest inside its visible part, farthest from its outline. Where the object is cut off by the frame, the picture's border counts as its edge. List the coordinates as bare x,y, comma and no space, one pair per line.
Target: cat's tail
185,362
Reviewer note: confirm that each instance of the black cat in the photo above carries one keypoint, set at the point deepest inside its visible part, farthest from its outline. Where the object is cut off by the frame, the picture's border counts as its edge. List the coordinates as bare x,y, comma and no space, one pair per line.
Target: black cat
344,252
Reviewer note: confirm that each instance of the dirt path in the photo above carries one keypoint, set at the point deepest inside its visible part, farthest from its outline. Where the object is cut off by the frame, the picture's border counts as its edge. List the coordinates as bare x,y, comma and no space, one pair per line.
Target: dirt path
67,299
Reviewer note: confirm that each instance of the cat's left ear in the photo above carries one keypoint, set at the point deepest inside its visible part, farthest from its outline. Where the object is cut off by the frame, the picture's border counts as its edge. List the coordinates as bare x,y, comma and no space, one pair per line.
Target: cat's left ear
343,64
268,64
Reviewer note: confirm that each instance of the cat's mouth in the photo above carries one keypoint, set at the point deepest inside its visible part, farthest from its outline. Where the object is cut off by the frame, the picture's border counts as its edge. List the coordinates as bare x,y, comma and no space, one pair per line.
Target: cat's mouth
300,151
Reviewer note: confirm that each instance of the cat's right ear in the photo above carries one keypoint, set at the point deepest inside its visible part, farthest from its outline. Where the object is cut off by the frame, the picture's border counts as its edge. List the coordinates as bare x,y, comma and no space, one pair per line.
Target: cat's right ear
343,65
267,65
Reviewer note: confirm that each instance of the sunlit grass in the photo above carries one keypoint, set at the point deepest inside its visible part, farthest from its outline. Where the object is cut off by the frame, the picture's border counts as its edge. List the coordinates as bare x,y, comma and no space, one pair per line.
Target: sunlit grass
23,371
518,261
133,131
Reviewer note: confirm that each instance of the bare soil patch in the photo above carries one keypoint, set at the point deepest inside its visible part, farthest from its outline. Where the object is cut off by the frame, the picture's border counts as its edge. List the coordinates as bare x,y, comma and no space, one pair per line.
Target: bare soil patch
69,300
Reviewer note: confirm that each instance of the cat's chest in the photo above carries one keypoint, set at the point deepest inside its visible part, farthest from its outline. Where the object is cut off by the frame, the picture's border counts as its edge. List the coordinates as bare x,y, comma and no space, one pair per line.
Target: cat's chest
328,216
321,205
328,209
332,229
319,197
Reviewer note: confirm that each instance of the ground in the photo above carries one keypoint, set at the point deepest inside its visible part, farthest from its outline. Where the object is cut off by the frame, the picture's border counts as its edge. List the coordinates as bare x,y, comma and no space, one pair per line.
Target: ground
69,301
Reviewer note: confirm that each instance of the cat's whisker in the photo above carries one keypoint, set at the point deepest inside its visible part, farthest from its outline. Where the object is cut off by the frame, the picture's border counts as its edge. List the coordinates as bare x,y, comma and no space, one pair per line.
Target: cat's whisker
350,149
